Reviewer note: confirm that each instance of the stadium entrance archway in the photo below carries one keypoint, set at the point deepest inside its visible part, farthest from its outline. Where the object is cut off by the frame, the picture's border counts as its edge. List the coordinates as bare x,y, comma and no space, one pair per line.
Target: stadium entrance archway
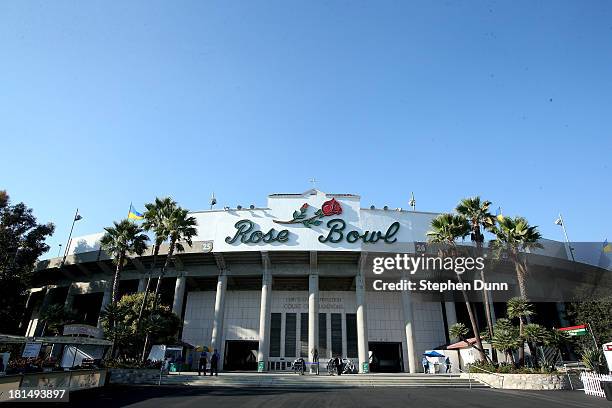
386,357
240,355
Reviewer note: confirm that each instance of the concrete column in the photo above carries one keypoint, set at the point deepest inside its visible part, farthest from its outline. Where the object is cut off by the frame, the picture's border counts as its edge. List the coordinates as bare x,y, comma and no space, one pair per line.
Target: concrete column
69,298
142,284
264,316
217,330
106,300
409,328
179,295
362,317
34,328
24,318
451,313
313,316
560,306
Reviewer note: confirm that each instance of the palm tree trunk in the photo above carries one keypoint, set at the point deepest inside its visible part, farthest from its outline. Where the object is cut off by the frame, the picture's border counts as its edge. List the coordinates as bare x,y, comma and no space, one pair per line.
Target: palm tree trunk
475,330
163,271
157,289
521,351
148,287
118,270
485,298
521,276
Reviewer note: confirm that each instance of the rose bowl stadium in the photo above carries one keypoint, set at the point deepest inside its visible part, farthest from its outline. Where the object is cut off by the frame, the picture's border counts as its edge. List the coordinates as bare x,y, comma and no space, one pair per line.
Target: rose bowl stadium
267,285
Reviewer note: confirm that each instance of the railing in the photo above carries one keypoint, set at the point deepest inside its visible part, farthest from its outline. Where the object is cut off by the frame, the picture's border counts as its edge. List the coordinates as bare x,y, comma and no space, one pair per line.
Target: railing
469,376
567,367
592,383
488,372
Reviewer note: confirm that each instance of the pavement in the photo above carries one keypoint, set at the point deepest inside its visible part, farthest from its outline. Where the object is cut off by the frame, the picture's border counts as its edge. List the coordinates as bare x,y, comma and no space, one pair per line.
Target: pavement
359,397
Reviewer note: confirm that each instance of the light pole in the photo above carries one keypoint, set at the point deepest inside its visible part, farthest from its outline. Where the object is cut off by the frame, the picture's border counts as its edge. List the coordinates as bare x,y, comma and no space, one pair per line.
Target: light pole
559,221
412,202
76,218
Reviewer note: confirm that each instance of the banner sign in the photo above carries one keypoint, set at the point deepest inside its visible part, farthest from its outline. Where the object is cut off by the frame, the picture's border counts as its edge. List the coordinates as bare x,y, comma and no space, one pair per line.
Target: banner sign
31,350
579,330
82,330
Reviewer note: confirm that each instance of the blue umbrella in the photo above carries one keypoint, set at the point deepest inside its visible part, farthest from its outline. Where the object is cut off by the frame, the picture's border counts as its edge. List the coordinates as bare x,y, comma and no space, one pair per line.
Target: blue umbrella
433,353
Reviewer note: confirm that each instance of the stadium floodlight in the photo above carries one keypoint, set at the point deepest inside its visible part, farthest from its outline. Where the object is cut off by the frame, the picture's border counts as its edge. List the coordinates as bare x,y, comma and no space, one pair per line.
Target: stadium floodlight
213,200
559,221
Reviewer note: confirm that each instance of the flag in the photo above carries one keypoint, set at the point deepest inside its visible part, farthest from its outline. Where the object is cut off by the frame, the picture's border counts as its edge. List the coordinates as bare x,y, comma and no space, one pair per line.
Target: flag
498,214
580,330
134,215
607,247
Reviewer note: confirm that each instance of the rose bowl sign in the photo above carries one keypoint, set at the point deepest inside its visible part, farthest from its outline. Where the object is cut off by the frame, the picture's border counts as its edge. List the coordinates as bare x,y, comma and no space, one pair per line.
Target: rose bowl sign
247,233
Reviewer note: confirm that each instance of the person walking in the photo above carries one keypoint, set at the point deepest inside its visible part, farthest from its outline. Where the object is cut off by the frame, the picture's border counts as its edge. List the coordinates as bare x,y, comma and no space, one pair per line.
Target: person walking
214,363
448,364
338,365
315,360
425,363
202,362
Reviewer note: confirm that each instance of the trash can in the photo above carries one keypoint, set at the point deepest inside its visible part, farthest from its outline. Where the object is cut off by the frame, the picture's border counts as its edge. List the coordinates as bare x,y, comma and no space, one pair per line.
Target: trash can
607,387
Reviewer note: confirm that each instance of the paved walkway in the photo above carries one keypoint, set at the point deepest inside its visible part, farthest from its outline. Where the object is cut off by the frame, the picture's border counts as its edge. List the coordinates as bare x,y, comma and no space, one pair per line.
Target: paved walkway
221,397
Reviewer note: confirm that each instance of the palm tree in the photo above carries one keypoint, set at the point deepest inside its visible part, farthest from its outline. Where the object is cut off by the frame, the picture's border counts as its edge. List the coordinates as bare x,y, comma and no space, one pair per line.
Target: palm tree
479,218
515,236
458,331
179,227
518,308
446,228
505,338
120,240
155,220
534,335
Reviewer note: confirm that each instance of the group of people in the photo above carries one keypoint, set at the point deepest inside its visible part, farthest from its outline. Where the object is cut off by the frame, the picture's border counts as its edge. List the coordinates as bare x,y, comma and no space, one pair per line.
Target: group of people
214,362
430,368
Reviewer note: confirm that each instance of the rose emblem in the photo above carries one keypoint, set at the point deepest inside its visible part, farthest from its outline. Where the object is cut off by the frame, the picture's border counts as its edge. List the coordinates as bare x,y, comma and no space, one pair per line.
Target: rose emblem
331,207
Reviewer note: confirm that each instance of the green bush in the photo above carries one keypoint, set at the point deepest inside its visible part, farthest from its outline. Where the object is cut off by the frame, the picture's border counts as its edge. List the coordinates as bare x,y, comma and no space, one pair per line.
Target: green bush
505,368
131,363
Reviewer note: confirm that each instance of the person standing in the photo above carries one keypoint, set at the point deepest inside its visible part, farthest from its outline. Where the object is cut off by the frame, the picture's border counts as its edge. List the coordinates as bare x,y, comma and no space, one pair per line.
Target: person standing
214,363
425,363
190,361
202,362
448,364
315,360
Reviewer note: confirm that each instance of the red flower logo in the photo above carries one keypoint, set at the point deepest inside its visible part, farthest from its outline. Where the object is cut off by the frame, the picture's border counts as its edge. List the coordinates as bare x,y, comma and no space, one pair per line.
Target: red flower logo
331,207
304,207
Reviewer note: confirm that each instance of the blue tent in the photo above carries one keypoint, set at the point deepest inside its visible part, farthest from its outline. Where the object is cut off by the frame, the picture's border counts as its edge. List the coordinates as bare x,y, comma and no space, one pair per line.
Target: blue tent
433,353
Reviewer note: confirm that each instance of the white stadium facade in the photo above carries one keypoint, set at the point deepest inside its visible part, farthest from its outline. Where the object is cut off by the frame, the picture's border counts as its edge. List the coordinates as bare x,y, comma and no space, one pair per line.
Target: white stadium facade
267,285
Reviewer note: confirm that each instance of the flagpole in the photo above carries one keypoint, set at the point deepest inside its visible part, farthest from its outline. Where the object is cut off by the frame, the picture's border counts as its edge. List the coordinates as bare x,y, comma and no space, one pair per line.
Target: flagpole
592,335
129,211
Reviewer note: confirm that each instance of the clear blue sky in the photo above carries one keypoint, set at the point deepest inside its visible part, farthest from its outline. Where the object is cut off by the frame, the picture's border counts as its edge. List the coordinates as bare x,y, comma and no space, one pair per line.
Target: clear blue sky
106,103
